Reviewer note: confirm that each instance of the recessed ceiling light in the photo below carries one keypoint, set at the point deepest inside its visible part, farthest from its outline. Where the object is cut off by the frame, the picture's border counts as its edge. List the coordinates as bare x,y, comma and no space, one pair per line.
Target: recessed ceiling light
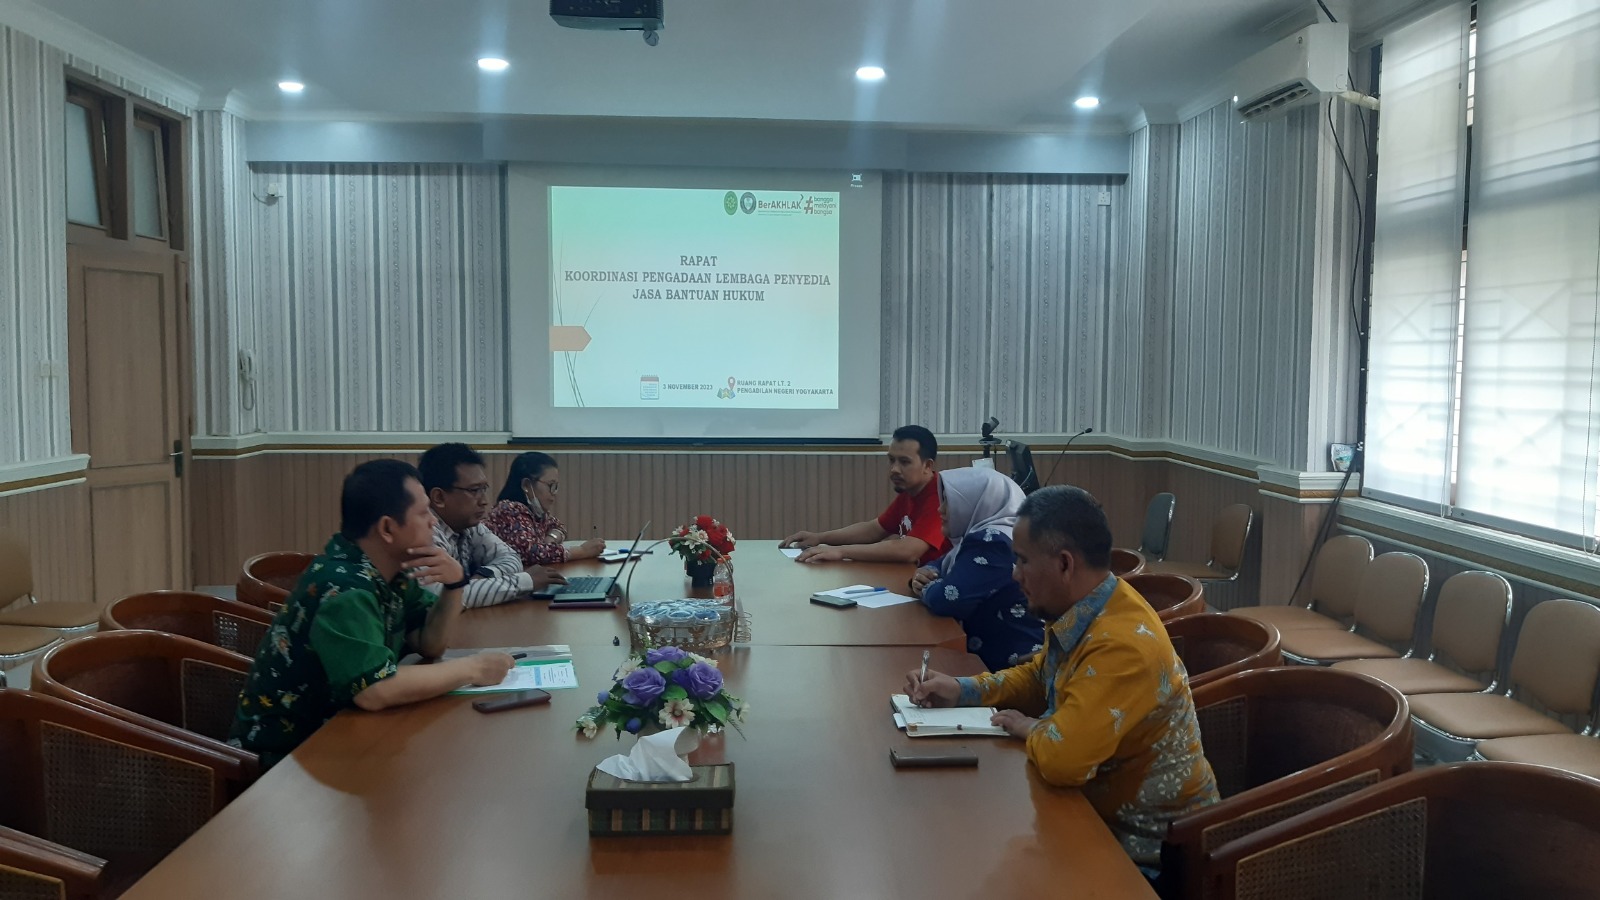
1086,102
291,87
870,73
493,64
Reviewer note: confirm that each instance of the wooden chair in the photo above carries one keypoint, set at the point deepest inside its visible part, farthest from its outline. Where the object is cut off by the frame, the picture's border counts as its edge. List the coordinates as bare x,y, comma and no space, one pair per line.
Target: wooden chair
1467,830
1170,596
94,801
174,686
1388,606
233,626
1230,533
1469,618
16,583
267,579
1126,562
1335,588
1214,646
1553,674
1282,741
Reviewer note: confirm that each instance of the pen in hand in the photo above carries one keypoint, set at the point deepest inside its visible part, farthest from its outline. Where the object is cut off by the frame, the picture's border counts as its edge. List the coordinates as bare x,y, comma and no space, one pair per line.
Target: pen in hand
923,676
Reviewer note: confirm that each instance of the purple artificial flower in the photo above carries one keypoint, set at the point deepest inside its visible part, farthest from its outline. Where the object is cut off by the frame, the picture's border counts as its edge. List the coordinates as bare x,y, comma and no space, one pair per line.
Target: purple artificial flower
634,725
701,680
602,697
664,654
642,687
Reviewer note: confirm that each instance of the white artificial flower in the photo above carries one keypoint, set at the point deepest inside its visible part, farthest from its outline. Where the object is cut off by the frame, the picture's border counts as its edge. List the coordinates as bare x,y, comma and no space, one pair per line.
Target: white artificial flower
741,710
699,534
701,659
677,713
628,667
589,727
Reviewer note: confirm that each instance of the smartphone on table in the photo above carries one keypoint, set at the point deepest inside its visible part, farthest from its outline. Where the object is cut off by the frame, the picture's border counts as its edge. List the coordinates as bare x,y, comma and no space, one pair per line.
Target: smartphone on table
511,701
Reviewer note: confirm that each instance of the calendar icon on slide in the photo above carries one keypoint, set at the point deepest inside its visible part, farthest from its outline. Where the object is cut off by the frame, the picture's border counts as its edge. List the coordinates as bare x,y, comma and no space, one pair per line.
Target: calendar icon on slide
649,387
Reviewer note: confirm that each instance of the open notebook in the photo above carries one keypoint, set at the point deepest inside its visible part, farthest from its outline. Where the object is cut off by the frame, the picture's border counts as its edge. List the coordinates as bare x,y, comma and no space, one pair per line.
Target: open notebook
962,720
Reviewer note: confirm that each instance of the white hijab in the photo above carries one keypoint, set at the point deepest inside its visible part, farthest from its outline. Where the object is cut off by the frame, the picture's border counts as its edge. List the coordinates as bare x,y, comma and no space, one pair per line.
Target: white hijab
975,501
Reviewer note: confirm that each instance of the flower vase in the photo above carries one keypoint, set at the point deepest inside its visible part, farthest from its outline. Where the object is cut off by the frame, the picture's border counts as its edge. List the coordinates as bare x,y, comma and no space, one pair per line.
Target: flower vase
699,571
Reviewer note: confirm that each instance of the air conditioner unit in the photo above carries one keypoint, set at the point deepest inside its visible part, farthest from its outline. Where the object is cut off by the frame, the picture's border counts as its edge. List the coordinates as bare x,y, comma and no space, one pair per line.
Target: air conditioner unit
608,15
1296,71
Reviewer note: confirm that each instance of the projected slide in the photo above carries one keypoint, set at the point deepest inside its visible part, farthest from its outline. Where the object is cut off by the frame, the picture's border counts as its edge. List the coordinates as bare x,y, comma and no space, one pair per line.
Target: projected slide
706,299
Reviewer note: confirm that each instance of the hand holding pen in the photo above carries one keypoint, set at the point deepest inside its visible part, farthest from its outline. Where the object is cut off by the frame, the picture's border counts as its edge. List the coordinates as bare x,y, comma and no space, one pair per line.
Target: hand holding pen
931,689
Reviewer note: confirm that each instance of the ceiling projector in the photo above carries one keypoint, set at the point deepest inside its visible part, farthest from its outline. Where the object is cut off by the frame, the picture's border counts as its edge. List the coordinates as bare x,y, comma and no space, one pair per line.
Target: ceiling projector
610,15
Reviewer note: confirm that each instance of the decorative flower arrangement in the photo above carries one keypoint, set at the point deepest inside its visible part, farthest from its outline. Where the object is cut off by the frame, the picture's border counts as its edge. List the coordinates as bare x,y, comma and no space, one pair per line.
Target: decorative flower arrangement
665,687
690,541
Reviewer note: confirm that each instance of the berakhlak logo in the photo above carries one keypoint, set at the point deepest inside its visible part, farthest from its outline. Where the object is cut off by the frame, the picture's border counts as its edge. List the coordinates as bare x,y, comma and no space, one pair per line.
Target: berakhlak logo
747,202
730,203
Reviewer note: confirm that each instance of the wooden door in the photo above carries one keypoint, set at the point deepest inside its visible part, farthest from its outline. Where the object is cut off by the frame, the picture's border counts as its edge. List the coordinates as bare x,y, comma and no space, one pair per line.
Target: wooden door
128,414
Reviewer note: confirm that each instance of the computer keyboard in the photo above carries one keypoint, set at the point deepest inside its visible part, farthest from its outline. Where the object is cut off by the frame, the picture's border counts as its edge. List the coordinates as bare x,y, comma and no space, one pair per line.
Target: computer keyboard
583,584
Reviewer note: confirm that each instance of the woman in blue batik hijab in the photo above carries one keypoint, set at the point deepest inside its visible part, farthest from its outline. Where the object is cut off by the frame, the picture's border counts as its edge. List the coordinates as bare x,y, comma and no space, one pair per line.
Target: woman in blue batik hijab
973,583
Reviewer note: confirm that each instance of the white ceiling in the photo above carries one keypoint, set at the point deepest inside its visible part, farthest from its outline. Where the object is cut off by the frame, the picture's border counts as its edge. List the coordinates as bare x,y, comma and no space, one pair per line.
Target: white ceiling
965,64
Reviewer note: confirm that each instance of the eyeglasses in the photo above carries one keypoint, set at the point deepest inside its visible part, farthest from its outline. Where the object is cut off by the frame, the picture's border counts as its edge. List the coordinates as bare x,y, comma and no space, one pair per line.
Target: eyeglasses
554,487
481,490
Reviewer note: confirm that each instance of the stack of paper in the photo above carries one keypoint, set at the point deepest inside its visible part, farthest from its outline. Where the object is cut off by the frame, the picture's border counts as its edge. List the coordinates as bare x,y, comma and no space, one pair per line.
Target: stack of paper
961,720
867,596
548,666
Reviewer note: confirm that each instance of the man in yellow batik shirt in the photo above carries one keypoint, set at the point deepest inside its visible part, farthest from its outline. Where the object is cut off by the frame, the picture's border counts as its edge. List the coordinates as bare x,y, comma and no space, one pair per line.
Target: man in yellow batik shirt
1114,715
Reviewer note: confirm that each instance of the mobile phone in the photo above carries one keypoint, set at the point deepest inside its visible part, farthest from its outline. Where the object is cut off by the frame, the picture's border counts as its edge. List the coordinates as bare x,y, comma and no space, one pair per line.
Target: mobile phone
512,701
943,756
835,602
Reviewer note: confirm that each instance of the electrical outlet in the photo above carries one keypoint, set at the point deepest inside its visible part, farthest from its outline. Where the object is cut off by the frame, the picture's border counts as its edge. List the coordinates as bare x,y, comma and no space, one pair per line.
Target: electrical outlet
1104,198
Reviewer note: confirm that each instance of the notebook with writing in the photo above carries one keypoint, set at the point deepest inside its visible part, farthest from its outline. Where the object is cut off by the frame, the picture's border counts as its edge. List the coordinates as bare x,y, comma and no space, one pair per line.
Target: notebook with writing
957,721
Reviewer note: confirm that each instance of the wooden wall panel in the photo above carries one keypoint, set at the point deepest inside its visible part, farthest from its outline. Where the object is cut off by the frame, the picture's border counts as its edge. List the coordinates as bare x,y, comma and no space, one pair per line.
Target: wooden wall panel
54,523
284,501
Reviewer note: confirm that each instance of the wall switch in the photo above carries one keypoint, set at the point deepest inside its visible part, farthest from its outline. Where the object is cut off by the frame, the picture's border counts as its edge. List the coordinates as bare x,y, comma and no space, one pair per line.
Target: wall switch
1104,199
274,190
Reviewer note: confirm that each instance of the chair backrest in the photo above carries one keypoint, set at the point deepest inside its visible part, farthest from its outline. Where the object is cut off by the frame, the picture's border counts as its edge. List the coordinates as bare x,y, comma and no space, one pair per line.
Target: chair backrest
104,786
1469,618
1213,646
1392,588
1280,741
16,571
1156,535
1168,594
1126,562
1336,576
234,626
1229,535
1474,829
166,683
1557,659
267,579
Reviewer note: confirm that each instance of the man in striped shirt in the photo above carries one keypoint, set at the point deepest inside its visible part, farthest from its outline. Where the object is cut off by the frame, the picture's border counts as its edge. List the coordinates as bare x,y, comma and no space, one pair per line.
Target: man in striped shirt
458,491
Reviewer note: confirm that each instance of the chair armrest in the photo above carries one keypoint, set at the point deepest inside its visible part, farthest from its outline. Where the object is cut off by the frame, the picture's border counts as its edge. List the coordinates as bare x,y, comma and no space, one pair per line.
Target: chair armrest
79,873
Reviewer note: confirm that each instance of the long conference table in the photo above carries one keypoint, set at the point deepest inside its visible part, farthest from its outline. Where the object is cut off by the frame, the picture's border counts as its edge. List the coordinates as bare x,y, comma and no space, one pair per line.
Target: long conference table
436,800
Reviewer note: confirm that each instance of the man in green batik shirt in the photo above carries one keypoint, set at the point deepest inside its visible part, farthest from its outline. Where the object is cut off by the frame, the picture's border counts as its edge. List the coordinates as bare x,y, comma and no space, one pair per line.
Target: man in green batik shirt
357,608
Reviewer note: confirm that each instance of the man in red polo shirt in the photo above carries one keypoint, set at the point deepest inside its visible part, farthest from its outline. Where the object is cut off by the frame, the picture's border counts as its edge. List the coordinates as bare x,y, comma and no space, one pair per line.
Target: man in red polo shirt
909,531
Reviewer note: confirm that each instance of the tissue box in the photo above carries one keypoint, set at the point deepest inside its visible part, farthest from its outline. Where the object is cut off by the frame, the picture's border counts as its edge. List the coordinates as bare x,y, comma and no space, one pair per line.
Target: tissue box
701,806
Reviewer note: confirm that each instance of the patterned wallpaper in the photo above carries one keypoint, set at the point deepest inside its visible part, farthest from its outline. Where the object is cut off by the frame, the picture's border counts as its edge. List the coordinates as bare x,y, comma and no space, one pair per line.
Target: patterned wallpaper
224,275
379,299
1260,217
995,301
33,253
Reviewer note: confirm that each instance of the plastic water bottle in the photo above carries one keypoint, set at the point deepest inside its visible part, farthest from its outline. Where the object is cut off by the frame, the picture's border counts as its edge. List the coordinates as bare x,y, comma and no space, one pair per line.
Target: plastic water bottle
722,583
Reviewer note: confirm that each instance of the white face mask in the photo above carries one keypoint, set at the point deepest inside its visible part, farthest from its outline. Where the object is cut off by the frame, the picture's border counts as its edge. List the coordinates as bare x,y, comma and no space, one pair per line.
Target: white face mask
534,504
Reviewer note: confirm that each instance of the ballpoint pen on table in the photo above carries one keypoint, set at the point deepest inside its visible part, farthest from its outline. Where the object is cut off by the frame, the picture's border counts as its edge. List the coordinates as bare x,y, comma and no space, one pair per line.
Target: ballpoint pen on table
864,590
924,676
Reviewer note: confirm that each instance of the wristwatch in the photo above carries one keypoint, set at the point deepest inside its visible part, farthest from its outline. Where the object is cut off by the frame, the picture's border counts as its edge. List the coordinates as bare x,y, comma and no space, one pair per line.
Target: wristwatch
457,585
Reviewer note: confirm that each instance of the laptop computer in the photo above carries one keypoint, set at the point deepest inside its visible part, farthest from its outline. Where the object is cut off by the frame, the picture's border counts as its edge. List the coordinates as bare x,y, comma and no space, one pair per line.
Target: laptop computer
589,591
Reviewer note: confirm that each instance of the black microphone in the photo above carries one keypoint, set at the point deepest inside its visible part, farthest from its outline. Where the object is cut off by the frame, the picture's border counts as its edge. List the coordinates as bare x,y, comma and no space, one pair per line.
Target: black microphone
1063,454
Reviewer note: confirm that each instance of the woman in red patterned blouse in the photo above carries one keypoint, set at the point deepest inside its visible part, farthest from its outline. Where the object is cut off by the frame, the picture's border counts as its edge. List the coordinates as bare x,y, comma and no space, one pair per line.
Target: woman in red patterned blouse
524,515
